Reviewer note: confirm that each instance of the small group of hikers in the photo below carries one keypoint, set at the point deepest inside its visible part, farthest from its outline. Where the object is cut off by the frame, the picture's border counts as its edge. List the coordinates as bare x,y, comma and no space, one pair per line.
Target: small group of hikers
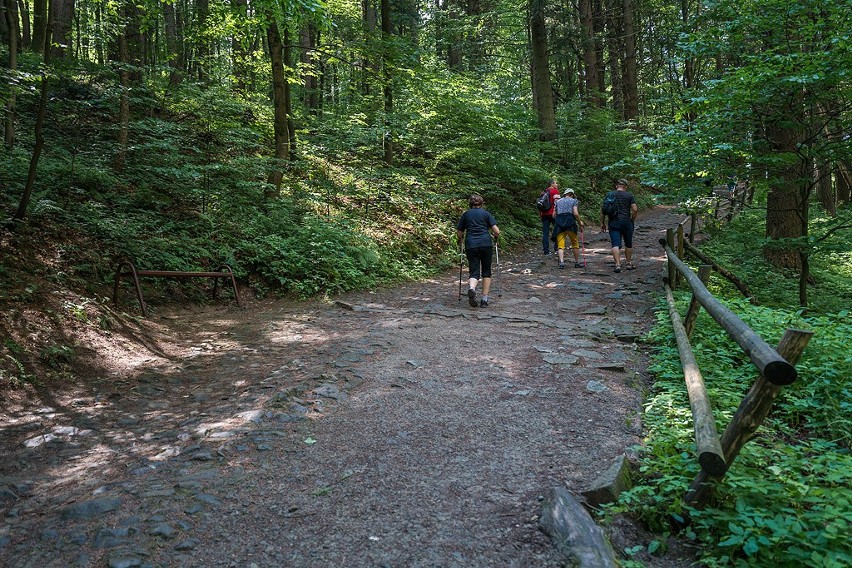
560,222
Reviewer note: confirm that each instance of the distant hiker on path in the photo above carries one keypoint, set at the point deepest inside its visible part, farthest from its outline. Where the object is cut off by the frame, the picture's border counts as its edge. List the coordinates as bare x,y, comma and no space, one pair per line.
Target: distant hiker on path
476,226
620,208
546,214
568,223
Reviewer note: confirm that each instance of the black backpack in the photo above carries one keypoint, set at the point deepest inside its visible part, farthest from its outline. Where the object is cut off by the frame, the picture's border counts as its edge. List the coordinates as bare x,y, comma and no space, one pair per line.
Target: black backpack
610,206
543,202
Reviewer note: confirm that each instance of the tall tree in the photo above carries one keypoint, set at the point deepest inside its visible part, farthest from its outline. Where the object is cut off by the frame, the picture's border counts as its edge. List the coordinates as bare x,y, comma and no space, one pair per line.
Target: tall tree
542,89
629,65
63,19
387,77
11,17
590,56
280,125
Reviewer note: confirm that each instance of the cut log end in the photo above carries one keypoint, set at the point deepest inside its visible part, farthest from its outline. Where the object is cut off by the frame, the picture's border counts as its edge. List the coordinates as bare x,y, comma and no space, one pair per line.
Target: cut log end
712,464
780,373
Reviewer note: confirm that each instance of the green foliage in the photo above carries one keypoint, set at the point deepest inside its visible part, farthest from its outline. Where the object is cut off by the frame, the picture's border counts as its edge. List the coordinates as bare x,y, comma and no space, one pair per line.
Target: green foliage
786,499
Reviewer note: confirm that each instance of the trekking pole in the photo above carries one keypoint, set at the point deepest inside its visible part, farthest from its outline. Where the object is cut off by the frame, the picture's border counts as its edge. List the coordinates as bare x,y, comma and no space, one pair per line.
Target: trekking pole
583,246
497,256
461,265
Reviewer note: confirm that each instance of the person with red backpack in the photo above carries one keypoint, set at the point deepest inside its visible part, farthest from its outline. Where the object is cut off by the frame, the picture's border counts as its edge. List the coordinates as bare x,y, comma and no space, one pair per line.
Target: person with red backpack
545,205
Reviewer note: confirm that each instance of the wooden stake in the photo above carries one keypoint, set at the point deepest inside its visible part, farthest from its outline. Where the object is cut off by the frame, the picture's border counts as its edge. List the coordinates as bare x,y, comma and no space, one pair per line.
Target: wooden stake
694,306
750,415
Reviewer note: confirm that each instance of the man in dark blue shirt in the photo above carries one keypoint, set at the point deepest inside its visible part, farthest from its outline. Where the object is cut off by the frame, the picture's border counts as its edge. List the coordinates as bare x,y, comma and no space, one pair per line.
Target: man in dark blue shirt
621,224
476,227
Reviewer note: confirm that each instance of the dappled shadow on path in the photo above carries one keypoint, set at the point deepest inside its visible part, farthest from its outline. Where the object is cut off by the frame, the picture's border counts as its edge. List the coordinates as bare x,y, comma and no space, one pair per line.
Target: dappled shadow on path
395,427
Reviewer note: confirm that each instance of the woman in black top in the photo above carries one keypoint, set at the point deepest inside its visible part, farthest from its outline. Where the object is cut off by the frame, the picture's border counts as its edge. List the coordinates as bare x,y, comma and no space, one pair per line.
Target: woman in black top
476,227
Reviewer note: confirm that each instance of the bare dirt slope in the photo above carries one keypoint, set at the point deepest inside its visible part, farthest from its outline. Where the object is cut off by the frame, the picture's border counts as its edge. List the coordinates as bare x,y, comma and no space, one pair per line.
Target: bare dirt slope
400,427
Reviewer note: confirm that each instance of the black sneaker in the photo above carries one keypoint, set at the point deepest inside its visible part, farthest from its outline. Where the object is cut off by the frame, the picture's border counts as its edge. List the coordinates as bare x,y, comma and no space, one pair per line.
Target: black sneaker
578,265
471,297
483,303
561,265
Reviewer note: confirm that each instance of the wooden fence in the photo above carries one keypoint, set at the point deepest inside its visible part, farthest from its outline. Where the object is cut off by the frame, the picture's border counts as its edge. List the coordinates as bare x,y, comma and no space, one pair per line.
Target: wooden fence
774,365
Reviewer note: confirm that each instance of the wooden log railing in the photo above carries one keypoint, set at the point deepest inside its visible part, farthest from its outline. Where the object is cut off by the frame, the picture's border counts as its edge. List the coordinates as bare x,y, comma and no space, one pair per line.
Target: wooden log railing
127,269
776,369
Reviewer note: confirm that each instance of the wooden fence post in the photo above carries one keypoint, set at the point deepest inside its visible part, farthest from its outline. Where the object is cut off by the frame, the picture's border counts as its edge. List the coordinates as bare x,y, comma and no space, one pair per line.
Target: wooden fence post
750,415
694,306
710,455
693,226
672,270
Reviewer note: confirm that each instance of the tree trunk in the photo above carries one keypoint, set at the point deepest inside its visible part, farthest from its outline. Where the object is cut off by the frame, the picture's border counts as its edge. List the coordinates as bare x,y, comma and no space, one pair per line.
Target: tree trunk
124,80
173,44
368,13
631,84
542,90
26,34
63,17
12,21
788,190
454,54
24,204
590,59
598,19
39,25
202,48
309,78
279,123
615,34
386,75
825,188
287,54
843,176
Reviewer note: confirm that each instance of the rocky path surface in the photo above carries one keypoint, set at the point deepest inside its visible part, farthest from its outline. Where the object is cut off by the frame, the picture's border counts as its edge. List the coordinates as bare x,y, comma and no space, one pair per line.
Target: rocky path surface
392,428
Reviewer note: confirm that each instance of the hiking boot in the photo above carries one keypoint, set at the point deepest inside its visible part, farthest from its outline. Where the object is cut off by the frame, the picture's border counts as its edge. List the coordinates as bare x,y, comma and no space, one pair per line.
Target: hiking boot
483,303
618,269
561,265
471,297
578,265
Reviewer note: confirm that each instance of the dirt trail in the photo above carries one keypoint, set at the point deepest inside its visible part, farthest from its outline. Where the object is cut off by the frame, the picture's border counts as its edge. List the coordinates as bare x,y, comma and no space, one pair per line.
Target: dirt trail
394,428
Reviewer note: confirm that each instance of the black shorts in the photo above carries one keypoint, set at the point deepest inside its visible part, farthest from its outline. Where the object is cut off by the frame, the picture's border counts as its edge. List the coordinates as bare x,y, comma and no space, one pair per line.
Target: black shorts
479,262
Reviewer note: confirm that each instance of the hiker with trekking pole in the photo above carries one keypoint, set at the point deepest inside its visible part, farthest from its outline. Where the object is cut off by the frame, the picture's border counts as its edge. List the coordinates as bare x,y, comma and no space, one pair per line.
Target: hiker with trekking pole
566,217
475,229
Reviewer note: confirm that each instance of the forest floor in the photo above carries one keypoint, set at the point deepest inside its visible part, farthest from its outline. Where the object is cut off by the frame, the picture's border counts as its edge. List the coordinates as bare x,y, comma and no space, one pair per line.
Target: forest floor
397,427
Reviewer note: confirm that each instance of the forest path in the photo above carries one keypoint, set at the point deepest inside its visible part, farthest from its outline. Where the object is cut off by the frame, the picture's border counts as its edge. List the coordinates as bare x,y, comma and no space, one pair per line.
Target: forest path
393,428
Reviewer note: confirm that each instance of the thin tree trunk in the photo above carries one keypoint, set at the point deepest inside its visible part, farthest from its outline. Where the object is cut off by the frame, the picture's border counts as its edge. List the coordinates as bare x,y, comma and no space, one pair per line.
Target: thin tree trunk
172,44
202,48
614,49
631,84
541,87
124,85
387,77
12,19
590,63
24,204
309,77
600,61
843,176
281,135
288,99
39,24
26,34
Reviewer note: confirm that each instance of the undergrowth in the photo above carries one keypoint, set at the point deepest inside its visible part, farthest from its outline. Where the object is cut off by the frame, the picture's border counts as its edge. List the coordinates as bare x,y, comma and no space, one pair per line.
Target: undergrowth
787,498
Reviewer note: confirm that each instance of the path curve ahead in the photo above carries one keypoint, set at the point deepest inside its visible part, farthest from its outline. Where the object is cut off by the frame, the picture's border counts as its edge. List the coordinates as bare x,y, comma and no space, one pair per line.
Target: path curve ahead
392,428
